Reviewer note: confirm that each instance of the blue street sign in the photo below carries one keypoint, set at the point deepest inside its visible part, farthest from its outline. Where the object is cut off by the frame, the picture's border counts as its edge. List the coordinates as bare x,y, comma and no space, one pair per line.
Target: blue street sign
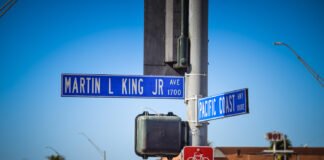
223,105
101,85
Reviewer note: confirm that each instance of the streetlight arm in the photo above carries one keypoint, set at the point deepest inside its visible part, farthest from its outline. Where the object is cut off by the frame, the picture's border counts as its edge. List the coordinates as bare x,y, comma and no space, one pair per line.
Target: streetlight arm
6,7
319,79
102,153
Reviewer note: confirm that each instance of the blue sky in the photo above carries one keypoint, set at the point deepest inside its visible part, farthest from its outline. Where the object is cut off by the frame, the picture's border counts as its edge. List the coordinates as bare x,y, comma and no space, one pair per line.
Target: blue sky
39,40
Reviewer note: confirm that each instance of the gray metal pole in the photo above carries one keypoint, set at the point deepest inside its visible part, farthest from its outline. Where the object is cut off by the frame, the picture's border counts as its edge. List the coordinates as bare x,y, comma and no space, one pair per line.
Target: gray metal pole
196,79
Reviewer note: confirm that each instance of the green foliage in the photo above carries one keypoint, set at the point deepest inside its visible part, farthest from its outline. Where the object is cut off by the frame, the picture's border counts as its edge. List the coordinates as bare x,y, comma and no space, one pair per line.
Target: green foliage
55,157
280,146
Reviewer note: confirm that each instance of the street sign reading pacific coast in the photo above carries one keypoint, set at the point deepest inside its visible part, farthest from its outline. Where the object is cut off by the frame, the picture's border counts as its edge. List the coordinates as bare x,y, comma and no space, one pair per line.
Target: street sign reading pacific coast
102,85
223,105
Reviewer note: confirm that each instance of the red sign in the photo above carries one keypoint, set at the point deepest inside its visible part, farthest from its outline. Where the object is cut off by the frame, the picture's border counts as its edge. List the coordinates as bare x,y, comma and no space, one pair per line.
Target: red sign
198,153
274,136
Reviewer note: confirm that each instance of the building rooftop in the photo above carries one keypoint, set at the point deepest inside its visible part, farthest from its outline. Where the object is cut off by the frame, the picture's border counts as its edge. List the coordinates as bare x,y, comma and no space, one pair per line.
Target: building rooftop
259,150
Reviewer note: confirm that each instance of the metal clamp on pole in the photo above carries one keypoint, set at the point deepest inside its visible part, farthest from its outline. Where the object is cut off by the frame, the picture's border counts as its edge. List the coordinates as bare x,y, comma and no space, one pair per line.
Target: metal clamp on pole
195,74
195,98
187,75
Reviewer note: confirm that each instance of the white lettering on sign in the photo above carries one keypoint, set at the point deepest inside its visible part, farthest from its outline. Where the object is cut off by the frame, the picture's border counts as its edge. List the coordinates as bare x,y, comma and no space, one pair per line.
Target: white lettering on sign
175,82
202,109
141,88
208,108
75,86
88,84
240,96
109,87
97,85
213,107
82,81
132,86
174,92
230,103
221,103
78,85
241,107
227,104
67,82
158,87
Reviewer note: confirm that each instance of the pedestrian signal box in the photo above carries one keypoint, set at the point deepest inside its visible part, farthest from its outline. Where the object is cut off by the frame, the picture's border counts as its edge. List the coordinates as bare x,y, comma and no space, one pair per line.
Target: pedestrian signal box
159,135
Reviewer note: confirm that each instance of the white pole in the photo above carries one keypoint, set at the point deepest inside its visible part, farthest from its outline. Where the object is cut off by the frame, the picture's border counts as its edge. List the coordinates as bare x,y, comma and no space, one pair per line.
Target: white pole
196,79
274,150
285,147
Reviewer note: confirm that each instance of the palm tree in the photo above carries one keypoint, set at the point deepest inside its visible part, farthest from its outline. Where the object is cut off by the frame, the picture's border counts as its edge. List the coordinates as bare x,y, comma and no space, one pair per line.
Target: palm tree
55,157
280,145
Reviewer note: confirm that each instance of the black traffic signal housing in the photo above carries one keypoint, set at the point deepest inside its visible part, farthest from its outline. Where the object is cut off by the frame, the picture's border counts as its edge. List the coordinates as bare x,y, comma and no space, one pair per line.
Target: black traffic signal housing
159,135
166,37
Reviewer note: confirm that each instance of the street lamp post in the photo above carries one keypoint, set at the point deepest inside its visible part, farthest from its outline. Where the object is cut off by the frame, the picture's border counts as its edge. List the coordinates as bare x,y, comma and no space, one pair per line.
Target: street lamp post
101,152
319,79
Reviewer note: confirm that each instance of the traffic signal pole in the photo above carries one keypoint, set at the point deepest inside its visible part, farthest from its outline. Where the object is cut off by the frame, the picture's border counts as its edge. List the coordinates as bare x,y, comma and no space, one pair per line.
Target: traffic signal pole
197,77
